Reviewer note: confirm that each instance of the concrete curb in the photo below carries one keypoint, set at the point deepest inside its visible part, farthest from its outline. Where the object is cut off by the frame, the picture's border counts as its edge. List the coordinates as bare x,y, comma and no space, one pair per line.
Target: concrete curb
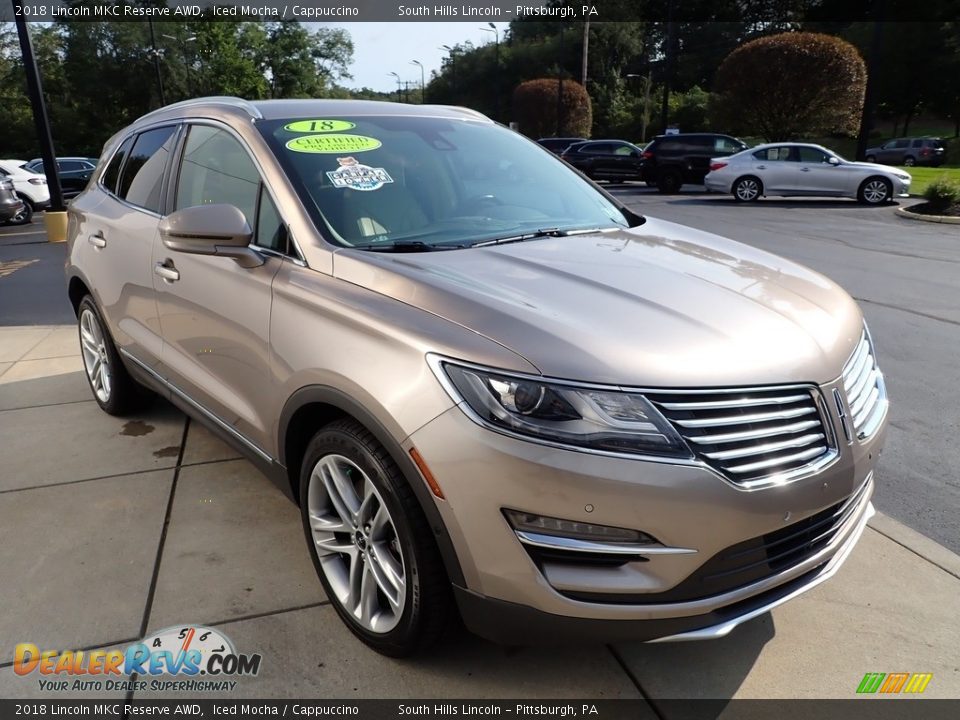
930,550
905,213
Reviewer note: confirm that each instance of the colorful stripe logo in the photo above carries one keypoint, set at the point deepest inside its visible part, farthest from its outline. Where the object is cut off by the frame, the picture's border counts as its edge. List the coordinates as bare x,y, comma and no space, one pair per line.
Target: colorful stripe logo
893,683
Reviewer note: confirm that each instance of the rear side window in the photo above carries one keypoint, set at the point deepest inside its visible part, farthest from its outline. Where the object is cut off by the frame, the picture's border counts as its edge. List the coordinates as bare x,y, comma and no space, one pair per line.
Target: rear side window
112,173
901,143
217,169
142,178
917,143
775,153
68,165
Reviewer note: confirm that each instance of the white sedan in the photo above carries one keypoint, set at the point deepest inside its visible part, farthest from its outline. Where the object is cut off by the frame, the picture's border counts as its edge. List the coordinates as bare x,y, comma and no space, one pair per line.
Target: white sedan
802,169
30,187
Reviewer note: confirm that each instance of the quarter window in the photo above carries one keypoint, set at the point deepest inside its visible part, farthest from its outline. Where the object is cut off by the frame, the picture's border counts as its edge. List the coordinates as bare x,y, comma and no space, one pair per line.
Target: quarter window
216,169
112,173
142,179
811,155
271,232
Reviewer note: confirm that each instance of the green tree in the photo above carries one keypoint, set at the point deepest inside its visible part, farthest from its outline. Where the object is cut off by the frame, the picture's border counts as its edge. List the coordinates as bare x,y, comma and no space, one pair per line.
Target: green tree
536,107
790,85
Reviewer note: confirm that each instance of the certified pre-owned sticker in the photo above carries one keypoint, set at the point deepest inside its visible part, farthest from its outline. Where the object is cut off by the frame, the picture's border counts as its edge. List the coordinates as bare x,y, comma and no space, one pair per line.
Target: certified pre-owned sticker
356,176
335,143
322,126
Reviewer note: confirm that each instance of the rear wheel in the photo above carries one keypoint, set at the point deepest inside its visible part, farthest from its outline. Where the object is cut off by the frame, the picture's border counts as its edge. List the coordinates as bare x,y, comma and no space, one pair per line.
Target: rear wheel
871,158
747,189
370,542
875,191
24,216
669,181
115,391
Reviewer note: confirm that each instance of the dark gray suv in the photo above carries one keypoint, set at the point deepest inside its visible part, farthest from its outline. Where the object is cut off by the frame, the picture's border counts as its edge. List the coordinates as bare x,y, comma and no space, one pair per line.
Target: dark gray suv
11,207
909,152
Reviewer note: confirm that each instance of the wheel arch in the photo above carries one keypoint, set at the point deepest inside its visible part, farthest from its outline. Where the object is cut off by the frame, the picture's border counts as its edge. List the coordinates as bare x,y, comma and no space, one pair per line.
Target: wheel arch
77,289
313,406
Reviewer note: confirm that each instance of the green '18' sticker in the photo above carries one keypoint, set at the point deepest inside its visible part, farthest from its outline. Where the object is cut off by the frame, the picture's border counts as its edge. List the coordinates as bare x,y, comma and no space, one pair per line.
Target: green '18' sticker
312,126
333,143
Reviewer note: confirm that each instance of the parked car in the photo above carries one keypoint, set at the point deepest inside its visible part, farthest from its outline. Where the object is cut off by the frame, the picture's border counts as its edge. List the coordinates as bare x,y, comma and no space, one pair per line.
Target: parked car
672,161
786,169
11,206
491,387
557,145
909,152
614,160
74,173
29,186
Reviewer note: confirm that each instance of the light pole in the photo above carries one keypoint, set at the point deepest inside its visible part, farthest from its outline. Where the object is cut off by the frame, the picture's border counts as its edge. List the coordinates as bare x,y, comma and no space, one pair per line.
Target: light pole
423,86
398,84
491,27
645,116
186,63
453,66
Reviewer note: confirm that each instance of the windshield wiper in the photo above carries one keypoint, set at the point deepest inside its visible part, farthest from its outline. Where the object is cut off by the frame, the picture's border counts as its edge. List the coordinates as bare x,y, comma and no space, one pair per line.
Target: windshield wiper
406,246
541,233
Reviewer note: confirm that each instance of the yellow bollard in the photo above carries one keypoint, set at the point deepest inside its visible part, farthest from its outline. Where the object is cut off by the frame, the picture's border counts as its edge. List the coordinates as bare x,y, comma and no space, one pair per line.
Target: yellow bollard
56,226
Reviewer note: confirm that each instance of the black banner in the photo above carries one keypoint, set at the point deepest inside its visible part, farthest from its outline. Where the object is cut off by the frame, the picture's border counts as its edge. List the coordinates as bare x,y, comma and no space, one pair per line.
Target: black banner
874,708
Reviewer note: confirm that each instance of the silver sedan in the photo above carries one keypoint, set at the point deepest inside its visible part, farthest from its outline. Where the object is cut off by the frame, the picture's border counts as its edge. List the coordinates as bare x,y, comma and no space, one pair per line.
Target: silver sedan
803,169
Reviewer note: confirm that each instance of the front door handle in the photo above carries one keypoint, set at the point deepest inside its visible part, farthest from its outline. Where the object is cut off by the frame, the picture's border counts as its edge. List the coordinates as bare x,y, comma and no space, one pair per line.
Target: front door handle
97,240
761,167
804,169
169,273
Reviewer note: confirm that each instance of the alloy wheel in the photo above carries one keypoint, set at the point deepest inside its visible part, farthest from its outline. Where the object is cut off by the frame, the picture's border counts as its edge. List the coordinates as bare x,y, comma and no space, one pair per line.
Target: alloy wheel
96,361
875,191
356,543
748,190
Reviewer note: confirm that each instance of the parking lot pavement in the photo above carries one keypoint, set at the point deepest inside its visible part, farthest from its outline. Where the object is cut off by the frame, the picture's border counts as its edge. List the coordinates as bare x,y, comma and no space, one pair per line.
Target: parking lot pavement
113,528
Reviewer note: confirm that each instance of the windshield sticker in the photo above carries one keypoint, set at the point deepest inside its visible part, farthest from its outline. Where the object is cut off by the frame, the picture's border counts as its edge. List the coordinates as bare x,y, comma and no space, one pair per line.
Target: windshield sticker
314,126
356,176
332,143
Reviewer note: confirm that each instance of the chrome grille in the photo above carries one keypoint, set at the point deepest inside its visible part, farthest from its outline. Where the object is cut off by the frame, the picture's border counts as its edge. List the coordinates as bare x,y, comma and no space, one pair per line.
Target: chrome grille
865,390
751,435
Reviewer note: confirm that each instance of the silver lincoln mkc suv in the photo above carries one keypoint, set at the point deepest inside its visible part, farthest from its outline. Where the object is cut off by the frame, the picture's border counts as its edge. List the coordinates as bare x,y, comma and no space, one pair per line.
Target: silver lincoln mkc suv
493,390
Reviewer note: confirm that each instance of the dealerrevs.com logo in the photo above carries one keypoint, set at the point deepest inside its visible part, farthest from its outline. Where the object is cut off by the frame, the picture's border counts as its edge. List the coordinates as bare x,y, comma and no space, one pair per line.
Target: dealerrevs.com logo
184,658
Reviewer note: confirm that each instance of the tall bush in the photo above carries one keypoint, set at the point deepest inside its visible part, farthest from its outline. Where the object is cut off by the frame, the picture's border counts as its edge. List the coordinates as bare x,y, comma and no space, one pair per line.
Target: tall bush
536,109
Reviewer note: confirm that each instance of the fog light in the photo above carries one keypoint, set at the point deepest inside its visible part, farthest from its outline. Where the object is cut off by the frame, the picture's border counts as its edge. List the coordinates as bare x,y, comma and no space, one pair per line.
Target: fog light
528,522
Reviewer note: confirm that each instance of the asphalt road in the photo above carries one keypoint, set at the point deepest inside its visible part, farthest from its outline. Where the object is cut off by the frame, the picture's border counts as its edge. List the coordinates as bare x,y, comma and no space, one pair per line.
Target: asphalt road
905,274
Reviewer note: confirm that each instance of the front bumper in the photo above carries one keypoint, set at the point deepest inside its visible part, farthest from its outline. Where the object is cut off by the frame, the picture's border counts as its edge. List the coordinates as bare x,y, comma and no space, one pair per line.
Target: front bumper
901,188
508,589
9,210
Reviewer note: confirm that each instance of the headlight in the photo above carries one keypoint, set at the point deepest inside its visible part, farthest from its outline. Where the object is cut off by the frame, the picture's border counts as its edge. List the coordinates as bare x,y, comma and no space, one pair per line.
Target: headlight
579,417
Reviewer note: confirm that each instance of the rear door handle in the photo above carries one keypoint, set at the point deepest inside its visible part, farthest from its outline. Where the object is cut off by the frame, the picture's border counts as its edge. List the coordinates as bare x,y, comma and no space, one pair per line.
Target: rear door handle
167,272
97,240
761,167
804,169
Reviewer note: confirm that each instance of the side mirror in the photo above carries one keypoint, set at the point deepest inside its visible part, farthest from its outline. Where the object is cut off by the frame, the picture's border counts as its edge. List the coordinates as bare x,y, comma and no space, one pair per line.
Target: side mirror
210,230
833,160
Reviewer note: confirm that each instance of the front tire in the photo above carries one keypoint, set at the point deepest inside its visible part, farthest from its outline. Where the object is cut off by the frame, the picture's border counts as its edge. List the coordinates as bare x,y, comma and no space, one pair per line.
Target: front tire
875,191
115,391
747,189
25,216
370,542
909,161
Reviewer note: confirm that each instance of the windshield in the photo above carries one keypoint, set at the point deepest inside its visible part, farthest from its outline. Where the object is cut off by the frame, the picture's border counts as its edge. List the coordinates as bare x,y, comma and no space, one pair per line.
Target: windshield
431,182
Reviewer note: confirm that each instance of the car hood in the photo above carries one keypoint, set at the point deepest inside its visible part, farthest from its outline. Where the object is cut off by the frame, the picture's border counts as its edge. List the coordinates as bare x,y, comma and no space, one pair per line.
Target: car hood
660,305
874,167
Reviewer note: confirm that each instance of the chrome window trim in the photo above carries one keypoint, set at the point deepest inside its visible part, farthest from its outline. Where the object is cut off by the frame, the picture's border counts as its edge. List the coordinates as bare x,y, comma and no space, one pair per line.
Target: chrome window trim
436,360
197,406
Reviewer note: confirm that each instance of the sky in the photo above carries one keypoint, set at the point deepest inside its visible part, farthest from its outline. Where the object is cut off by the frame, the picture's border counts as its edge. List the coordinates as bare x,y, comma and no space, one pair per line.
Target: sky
382,48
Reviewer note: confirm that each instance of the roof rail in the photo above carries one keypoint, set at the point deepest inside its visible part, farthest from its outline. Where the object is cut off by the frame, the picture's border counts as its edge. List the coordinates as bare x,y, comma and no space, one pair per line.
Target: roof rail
465,111
235,102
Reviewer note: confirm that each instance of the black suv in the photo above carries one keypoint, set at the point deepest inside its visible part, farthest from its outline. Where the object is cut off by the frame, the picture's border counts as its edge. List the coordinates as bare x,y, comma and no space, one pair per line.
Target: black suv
74,173
614,160
671,161
557,145
909,152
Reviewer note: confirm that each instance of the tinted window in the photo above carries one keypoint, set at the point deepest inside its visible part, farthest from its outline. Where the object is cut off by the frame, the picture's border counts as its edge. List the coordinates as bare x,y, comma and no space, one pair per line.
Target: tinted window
271,232
622,150
726,145
142,178
773,154
112,173
901,143
699,143
917,143
217,169
597,148
811,155
69,165
669,145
